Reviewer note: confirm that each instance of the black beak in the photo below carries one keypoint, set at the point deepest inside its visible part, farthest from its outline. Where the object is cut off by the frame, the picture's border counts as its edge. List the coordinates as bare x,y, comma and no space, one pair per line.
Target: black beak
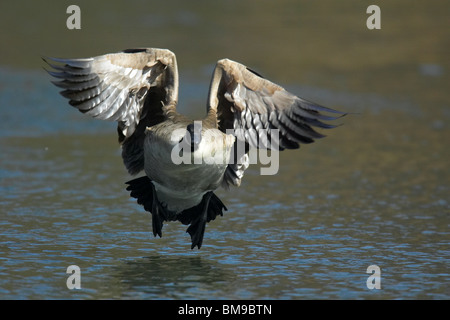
194,134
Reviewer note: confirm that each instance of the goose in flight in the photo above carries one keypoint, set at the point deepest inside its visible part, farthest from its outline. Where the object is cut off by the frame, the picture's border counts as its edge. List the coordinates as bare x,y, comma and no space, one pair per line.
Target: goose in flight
184,160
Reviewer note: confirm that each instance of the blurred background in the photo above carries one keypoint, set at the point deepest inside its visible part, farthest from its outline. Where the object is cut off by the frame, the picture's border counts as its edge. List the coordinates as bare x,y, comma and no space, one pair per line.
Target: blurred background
374,191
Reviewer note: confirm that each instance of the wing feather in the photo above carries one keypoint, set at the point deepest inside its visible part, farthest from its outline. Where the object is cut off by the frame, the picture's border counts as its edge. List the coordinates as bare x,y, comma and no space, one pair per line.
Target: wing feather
115,87
258,103
99,86
253,106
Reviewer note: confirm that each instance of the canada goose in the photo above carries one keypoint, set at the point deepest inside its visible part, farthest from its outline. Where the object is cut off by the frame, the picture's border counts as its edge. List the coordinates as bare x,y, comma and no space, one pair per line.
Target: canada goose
138,88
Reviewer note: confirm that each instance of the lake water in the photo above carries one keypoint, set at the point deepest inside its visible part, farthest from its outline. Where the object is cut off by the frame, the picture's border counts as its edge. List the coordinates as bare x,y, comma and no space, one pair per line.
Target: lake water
375,191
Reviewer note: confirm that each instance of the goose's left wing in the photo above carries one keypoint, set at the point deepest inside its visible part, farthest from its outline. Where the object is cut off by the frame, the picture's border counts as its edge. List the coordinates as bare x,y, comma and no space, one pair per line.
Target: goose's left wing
261,113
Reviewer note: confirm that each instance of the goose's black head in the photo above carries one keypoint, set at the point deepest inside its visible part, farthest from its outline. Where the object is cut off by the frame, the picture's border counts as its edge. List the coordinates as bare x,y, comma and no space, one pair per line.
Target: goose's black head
193,135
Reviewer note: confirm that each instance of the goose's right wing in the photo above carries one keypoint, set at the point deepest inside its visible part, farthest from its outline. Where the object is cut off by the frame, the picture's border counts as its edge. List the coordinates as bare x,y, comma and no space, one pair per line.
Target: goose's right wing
115,86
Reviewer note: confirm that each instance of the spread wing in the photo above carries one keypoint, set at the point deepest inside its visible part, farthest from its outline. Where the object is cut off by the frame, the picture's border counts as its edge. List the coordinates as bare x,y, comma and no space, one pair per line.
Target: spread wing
262,114
130,87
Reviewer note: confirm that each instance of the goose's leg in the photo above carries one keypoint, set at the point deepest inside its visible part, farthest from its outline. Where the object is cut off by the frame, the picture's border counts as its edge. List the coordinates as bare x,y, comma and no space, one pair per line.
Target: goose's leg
144,191
197,227
157,219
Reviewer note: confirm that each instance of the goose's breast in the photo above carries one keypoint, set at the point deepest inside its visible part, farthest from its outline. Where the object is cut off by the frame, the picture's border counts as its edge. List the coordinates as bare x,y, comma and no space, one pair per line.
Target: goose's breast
181,176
